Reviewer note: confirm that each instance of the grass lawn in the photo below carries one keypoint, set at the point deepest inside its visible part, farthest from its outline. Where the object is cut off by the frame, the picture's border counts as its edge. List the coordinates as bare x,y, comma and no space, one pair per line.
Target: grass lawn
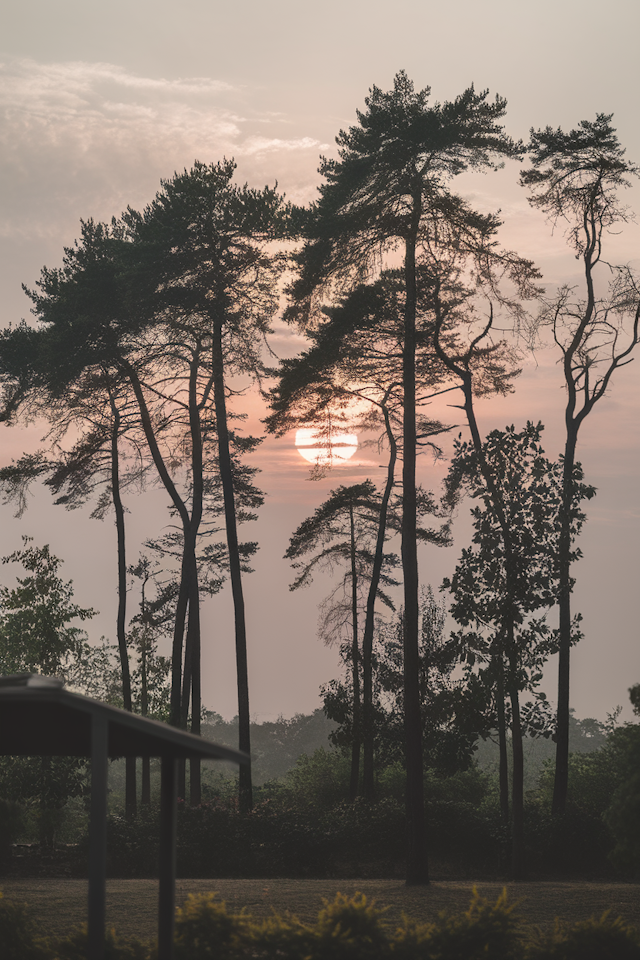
58,905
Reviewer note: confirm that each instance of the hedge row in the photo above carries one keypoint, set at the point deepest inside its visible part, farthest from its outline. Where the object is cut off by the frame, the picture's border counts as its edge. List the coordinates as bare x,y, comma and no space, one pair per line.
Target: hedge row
347,929
354,840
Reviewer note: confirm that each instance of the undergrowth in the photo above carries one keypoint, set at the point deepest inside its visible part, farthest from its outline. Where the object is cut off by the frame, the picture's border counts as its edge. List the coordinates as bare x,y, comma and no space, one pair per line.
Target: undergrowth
349,928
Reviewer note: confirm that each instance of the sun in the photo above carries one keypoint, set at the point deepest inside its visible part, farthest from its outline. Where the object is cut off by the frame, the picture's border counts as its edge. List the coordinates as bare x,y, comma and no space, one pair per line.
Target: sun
322,450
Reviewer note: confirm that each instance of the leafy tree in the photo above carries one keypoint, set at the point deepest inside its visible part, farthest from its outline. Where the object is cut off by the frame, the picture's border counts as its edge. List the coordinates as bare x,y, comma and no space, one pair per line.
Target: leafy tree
388,186
452,713
449,709
575,179
621,815
508,575
36,634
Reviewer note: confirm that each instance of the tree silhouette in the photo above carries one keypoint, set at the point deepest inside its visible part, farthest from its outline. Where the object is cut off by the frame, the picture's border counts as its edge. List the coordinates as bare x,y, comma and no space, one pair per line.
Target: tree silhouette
508,575
389,183
208,264
352,374
574,179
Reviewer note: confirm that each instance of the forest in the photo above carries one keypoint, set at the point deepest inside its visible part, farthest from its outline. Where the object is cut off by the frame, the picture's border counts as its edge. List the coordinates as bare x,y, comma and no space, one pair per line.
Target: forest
143,346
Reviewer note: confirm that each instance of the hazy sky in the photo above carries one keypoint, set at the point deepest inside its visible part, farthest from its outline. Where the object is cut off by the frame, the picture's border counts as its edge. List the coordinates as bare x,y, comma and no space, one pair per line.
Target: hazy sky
99,101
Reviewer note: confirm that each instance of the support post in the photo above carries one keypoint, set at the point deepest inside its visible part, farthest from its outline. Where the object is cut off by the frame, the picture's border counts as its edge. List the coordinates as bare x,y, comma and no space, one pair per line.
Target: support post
98,836
168,831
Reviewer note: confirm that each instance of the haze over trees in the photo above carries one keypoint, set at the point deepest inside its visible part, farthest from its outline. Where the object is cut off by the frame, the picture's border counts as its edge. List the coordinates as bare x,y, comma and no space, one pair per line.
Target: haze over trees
150,333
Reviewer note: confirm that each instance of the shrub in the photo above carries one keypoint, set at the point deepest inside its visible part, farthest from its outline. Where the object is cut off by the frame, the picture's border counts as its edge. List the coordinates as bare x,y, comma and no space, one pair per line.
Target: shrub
484,931
350,927
16,938
74,947
205,930
623,813
603,939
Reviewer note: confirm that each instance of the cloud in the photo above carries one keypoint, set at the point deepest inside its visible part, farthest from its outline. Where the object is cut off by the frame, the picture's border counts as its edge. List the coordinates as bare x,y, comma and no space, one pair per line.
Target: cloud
85,139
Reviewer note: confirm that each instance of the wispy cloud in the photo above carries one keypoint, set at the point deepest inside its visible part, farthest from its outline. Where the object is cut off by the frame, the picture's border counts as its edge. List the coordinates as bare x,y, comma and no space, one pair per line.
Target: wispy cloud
86,139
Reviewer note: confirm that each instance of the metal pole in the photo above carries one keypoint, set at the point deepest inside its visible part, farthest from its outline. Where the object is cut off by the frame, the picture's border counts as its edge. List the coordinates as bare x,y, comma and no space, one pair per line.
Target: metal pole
168,831
98,836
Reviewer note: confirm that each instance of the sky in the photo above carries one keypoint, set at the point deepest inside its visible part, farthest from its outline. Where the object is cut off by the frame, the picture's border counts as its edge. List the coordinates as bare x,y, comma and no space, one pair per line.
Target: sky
98,102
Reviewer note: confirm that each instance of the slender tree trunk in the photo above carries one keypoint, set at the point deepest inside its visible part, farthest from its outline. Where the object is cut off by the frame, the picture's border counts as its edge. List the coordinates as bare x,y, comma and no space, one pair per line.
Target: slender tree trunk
367,640
184,700
193,640
145,792
502,742
176,499
355,665
175,710
417,864
226,476
193,629
561,779
517,792
573,418
130,802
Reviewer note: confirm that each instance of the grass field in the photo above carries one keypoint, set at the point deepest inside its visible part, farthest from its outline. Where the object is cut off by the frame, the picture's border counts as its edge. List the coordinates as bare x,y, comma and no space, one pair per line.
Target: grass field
58,905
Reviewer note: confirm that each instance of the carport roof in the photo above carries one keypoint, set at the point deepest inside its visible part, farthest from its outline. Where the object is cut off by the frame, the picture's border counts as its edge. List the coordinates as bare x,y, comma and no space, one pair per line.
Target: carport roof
38,717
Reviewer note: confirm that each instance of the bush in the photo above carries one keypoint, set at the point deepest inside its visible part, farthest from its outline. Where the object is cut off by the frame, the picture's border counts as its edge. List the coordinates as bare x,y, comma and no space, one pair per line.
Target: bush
16,938
485,931
205,930
74,947
603,939
576,842
349,928
623,813
11,824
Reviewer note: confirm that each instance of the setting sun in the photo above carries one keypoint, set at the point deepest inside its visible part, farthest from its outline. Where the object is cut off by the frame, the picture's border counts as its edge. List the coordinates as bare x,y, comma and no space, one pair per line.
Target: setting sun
321,450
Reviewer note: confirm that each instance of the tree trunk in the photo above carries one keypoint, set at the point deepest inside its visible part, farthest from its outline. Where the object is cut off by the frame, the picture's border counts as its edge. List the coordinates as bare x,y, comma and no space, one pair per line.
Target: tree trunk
502,743
176,499
561,779
517,792
145,791
226,477
368,787
417,865
193,628
193,641
130,802
355,665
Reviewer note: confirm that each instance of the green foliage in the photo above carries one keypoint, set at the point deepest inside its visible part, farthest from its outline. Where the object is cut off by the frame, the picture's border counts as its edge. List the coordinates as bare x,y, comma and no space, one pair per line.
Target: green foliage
74,947
43,786
592,939
349,928
623,814
451,714
318,781
35,616
592,778
16,937
484,930
510,572
276,745
205,930
11,824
